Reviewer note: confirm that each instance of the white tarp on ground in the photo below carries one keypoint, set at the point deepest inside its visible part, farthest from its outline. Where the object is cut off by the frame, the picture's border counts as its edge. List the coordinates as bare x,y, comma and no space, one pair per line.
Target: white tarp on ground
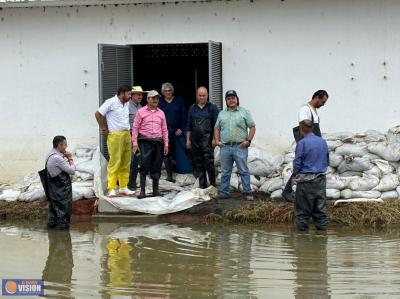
170,203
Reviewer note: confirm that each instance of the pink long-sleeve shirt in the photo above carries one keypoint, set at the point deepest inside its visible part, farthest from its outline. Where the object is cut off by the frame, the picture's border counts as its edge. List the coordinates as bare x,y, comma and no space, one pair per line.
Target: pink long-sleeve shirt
151,124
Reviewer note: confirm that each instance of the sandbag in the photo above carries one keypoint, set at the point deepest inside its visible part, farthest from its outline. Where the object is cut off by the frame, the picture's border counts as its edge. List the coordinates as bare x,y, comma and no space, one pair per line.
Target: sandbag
393,135
332,193
351,174
375,171
289,157
87,167
390,195
272,185
347,193
82,176
364,183
9,195
287,173
277,194
333,144
252,187
334,181
370,136
387,183
338,136
358,164
335,159
354,150
389,152
384,166
185,179
85,150
235,181
257,181
32,195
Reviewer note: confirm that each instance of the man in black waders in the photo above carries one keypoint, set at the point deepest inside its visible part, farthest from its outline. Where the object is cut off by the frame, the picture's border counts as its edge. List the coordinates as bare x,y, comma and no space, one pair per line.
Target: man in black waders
150,137
306,112
201,120
60,166
309,167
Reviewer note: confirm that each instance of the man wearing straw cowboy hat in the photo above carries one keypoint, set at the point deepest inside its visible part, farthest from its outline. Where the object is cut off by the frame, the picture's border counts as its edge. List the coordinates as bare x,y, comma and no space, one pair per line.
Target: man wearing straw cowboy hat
150,137
134,106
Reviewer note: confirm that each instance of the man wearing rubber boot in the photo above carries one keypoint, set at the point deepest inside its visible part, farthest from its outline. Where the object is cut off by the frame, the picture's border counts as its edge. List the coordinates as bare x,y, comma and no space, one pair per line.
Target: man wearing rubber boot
308,111
113,119
174,108
309,166
60,166
150,137
134,106
199,136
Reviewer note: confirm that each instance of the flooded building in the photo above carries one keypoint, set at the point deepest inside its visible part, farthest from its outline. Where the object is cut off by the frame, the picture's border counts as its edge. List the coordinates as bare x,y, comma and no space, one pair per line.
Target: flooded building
59,59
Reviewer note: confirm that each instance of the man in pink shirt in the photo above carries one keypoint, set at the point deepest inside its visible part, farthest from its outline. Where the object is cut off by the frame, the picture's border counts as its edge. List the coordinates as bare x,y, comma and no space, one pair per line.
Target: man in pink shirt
150,138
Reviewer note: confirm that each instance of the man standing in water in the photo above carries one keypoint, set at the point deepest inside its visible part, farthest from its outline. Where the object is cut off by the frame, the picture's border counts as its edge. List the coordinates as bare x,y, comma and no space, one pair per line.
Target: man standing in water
60,166
199,136
307,112
309,167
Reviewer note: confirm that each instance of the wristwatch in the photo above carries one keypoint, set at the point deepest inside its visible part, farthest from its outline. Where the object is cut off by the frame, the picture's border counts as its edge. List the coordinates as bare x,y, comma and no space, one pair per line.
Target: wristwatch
249,141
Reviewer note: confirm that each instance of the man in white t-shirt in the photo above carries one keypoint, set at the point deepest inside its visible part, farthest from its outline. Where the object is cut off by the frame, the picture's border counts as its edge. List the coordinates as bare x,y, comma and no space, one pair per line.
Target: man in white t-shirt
307,112
117,132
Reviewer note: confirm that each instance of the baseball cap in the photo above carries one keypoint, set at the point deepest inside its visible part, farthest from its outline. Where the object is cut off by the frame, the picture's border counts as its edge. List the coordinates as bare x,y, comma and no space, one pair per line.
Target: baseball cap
153,93
230,93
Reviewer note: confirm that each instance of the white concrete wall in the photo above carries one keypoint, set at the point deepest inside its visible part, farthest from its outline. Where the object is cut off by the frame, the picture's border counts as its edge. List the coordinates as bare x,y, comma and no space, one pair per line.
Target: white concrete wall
275,54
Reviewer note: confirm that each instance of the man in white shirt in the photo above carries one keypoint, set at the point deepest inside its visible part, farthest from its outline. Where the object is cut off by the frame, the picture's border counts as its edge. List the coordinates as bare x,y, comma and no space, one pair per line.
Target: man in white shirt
116,130
307,112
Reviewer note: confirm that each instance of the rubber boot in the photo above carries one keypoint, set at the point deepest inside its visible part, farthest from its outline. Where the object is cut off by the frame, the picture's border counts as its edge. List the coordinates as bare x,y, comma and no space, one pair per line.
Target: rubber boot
168,169
142,186
202,179
132,182
211,177
156,189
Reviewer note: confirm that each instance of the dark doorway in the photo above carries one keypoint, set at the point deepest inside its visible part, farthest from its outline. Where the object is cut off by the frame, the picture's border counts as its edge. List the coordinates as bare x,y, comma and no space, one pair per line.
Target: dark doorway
183,65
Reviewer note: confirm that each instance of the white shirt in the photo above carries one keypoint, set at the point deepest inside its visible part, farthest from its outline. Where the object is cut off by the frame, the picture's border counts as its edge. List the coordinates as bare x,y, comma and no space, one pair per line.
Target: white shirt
116,113
305,113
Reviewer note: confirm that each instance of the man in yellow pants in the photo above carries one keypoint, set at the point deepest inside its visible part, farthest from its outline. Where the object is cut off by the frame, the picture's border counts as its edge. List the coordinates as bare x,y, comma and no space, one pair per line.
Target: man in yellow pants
116,111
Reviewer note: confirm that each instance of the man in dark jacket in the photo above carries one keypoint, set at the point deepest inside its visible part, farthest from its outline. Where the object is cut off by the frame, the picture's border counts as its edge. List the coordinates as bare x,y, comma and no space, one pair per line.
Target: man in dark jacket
199,136
174,109
60,166
309,166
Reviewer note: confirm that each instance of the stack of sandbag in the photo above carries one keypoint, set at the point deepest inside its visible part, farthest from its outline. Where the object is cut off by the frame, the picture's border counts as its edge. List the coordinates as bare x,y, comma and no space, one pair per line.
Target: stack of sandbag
360,165
31,189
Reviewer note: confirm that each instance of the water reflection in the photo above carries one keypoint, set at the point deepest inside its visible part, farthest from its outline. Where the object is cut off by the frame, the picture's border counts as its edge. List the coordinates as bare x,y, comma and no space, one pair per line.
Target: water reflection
57,272
161,260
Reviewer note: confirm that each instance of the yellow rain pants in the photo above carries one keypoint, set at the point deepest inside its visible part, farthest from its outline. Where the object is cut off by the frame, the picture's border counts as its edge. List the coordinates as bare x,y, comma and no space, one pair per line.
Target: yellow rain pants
120,150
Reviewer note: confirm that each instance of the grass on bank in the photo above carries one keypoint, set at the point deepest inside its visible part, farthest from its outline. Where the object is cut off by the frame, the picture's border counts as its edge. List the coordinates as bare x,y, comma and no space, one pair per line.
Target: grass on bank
370,214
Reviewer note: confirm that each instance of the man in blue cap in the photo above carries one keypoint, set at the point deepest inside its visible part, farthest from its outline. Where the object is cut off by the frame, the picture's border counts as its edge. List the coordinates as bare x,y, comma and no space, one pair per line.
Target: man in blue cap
233,133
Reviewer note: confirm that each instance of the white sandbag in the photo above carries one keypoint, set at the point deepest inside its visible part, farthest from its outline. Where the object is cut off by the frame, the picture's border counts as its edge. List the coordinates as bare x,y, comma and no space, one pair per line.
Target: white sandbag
332,193
84,150
257,181
388,182
252,187
390,195
335,159
262,162
277,194
333,144
87,167
185,179
354,150
260,168
338,136
364,183
330,170
9,195
371,157
235,181
349,174
82,184
334,181
374,136
82,192
83,176
32,195
375,171
384,166
358,164
272,185
79,160
394,165
217,156
393,135
287,173
289,157
389,152
347,193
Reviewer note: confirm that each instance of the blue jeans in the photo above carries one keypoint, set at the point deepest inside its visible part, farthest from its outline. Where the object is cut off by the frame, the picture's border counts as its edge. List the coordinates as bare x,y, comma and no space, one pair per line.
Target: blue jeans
228,155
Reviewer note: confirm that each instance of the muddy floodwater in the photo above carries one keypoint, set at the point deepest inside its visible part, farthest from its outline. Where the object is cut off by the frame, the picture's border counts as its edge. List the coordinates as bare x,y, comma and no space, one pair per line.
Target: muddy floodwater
148,259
